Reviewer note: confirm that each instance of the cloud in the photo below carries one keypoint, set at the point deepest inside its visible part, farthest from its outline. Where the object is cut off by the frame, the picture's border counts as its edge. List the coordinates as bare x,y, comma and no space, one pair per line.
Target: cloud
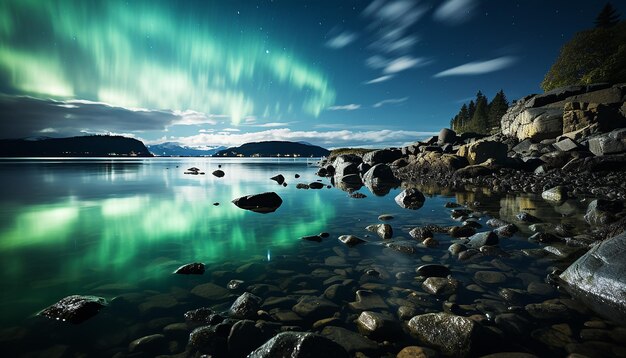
379,79
455,12
341,40
271,124
24,116
403,63
347,107
231,130
335,138
479,68
376,62
390,101
390,24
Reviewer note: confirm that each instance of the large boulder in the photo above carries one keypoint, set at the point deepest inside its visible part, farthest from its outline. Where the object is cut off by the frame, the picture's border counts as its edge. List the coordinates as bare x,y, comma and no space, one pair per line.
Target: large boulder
601,212
610,143
597,278
299,345
260,203
482,150
74,309
383,156
446,136
537,124
245,306
380,179
410,199
611,162
454,336
433,163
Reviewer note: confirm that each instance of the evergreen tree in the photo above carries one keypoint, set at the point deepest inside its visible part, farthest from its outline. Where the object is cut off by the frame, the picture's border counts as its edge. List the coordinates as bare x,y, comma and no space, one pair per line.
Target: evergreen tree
463,116
497,108
480,119
471,109
608,17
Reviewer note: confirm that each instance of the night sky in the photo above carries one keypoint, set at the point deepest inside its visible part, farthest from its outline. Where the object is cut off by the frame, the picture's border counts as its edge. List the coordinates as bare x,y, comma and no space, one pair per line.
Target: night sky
208,73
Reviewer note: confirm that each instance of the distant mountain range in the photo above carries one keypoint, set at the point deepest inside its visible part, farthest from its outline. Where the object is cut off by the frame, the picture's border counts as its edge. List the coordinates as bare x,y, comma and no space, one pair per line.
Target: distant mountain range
84,146
274,149
174,149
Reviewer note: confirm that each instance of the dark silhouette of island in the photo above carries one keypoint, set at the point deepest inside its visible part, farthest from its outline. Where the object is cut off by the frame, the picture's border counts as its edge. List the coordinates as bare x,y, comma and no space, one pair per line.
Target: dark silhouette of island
274,149
84,146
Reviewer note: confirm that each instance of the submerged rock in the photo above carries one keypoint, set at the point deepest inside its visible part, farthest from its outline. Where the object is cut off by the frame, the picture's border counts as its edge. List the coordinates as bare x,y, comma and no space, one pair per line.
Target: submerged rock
299,345
453,335
433,270
351,341
384,231
483,238
74,309
260,203
351,240
377,326
556,194
597,278
219,173
410,199
196,268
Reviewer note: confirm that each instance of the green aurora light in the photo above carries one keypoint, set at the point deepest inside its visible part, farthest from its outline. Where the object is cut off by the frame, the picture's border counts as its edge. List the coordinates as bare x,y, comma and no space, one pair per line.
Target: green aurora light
154,55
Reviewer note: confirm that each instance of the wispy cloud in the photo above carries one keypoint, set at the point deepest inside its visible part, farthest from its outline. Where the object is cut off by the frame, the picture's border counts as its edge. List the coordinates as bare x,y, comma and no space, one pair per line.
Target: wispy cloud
390,101
403,63
390,23
479,67
270,124
341,40
378,79
455,12
347,107
231,130
335,138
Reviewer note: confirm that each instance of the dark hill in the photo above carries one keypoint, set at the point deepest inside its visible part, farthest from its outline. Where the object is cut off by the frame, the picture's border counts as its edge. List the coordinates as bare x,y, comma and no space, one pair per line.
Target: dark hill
274,149
85,146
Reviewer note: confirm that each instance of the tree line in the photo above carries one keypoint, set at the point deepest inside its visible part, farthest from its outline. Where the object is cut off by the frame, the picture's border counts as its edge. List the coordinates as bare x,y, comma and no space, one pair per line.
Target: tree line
480,115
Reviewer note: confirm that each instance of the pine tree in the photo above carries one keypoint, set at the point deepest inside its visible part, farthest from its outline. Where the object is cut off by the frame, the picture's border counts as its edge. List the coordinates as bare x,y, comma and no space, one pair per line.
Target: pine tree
471,109
497,108
608,17
463,116
480,119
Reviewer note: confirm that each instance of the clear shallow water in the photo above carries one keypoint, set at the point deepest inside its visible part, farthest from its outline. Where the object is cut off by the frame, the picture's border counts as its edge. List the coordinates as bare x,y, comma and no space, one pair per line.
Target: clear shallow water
118,228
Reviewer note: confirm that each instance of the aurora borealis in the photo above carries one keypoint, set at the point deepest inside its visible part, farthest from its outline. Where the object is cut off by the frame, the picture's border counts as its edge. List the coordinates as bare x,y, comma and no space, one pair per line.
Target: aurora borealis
210,73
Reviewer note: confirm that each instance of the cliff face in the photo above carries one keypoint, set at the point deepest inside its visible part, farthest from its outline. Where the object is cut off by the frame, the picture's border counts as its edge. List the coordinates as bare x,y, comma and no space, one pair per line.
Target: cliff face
86,146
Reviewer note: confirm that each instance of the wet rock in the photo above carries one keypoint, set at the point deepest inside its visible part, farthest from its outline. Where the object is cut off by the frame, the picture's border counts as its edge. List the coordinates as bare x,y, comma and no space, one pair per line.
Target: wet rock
302,186
403,246
547,310
245,336
407,312
430,242
350,240
495,223
357,195
210,339
417,352
556,194
527,218
597,278
513,324
316,185
461,231
203,315
299,345
489,277
351,341
383,156
377,326
261,203
338,292
195,268
483,238
234,284
456,248
440,286
280,179
218,173
154,343
367,301
421,233
602,212
385,217
74,309
541,289
452,335
433,270
544,237
384,231
211,291
314,308
245,306
410,199
506,230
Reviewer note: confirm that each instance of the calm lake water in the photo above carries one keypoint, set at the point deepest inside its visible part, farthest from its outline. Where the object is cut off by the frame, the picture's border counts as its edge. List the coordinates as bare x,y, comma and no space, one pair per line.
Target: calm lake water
118,228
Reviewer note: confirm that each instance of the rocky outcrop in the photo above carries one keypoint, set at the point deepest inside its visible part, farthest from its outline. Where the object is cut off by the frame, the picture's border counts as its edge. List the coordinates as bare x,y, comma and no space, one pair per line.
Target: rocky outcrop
74,309
483,150
610,143
597,278
383,156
